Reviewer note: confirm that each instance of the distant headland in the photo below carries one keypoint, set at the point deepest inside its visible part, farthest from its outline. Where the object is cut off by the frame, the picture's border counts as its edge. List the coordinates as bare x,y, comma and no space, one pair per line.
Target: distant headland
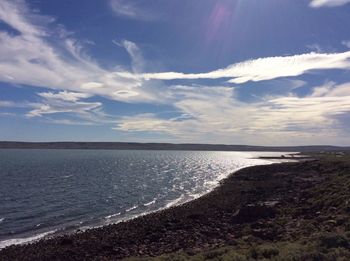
164,146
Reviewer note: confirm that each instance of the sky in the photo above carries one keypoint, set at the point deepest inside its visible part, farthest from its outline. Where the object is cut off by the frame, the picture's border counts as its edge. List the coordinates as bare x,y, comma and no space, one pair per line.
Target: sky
250,72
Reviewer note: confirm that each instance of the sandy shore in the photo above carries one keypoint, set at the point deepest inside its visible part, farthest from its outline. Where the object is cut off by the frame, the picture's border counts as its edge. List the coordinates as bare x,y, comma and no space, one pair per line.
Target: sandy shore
273,203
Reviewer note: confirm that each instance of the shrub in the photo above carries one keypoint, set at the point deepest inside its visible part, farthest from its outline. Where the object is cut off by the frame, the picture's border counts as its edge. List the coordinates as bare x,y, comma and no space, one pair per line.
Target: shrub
269,252
332,240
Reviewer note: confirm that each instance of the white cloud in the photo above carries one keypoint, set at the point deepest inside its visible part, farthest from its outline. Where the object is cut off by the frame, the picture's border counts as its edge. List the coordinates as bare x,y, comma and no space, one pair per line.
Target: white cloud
91,85
346,43
331,89
63,102
130,9
137,61
29,58
315,47
205,113
149,123
35,57
265,68
11,13
16,104
65,96
125,93
216,115
328,3
84,113
322,90
7,104
68,122
7,114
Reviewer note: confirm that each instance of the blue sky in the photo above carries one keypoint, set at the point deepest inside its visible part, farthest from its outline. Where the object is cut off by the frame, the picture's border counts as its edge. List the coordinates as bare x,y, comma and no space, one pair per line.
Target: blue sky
258,72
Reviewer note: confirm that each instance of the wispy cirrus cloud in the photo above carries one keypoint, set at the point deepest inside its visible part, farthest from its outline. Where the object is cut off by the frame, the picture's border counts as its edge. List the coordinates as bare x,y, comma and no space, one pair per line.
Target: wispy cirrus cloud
137,60
29,58
346,43
37,57
7,104
65,96
63,102
328,3
216,112
263,69
16,104
131,10
332,89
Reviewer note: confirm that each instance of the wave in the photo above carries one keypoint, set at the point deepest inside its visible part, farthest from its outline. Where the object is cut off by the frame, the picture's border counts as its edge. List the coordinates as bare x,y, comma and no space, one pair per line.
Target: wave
175,201
150,203
132,208
112,216
2,219
18,241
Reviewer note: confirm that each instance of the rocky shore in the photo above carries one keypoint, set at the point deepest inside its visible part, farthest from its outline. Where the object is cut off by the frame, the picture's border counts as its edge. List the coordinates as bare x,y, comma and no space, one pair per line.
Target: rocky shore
291,210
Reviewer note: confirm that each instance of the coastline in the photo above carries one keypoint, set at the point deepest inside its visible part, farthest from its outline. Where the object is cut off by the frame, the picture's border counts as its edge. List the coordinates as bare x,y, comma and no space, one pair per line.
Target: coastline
173,204
118,217
230,215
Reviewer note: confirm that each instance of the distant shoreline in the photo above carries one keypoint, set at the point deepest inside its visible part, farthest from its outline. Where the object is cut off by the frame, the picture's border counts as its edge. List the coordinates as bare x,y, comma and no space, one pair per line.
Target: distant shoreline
288,157
163,146
257,205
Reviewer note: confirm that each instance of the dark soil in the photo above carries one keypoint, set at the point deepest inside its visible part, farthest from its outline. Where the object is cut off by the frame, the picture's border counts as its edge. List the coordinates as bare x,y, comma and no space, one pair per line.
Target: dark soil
273,203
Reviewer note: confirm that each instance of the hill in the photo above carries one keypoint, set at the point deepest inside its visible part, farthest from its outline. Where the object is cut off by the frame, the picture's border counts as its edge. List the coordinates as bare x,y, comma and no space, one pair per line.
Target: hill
162,146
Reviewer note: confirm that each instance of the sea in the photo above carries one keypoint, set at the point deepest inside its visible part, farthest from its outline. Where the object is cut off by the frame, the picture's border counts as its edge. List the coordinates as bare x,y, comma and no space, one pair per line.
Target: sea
49,192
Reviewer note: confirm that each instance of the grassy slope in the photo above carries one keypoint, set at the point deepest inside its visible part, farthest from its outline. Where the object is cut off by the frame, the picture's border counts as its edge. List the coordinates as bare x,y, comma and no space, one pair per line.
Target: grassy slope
318,228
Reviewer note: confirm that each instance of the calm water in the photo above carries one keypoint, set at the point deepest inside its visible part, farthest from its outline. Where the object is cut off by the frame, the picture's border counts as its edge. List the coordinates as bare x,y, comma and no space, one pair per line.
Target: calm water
47,191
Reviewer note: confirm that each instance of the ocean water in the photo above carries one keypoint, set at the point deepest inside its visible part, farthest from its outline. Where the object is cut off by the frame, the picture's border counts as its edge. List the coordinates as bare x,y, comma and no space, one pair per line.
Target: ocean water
43,192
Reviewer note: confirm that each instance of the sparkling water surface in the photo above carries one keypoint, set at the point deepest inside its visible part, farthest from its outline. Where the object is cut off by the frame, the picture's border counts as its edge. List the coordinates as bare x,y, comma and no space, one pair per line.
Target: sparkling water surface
51,191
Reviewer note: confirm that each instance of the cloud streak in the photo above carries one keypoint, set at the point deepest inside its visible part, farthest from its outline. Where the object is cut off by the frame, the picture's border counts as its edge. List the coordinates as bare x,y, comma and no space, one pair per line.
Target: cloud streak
263,69
137,61
213,113
63,102
328,3
346,43
129,9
